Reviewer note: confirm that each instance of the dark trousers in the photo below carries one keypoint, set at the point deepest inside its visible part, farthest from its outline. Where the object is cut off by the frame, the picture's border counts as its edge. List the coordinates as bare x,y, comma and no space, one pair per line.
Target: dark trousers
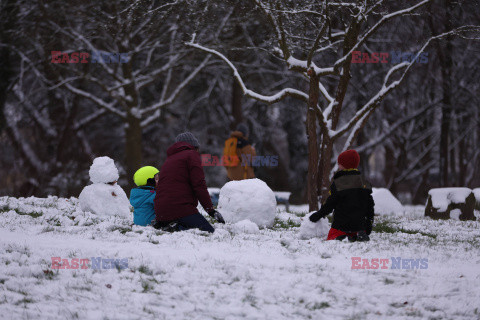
193,221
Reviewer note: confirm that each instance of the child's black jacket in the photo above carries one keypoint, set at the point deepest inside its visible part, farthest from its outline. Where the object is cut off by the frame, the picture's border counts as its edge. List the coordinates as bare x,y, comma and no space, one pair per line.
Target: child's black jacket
351,200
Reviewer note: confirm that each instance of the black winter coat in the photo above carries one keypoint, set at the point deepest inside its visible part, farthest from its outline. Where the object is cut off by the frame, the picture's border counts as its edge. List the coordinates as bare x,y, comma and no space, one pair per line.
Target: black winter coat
351,200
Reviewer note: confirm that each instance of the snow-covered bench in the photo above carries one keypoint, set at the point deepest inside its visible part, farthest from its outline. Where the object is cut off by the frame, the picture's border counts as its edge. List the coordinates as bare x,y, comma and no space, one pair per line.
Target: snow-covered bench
446,203
476,193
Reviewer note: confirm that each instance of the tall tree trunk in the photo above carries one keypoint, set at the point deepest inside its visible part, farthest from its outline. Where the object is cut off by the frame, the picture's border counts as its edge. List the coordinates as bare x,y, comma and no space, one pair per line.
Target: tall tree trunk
325,167
7,23
312,190
341,91
422,189
133,147
237,95
462,163
389,172
133,129
446,64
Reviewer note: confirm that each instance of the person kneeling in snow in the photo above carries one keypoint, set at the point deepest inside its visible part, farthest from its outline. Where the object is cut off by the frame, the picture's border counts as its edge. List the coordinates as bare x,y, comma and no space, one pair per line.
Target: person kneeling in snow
141,197
104,197
350,199
180,185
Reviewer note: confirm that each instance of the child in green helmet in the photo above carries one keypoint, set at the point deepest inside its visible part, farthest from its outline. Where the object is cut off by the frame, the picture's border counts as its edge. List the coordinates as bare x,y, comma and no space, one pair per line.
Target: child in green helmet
141,197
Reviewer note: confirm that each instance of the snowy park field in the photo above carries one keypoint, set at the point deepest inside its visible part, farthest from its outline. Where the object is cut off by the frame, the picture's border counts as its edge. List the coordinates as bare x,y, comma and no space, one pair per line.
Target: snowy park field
235,273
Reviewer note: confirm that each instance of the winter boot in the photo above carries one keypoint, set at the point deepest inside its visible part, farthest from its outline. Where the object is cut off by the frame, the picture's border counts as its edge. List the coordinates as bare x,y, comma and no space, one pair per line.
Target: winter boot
172,227
352,238
362,236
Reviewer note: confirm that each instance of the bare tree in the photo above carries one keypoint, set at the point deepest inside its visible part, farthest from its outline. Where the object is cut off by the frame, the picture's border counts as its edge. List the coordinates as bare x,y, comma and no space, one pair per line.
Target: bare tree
338,29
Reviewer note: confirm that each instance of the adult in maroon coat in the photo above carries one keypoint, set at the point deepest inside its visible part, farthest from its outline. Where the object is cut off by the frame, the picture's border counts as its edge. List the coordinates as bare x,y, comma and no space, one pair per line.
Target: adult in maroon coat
180,185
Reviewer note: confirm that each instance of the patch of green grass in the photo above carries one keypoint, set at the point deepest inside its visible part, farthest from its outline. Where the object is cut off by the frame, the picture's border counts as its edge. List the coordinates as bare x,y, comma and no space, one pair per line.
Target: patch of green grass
149,311
146,286
47,229
20,249
121,229
388,281
251,299
34,214
145,270
387,227
24,301
55,222
282,224
81,288
31,214
299,214
319,305
49,274
473,242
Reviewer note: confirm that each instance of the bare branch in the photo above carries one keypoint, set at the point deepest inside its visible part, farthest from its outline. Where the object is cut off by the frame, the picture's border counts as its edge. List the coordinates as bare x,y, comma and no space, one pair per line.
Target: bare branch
249,93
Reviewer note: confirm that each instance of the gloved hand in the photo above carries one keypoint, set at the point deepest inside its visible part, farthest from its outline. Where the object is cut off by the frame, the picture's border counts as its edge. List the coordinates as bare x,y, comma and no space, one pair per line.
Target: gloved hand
368,226
316,216
216,215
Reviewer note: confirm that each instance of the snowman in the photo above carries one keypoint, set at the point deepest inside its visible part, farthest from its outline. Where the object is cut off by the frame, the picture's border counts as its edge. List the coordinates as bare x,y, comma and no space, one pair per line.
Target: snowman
104,197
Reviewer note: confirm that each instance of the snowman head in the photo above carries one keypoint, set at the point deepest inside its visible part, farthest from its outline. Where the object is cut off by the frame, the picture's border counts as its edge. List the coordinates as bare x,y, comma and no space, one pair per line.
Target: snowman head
103,170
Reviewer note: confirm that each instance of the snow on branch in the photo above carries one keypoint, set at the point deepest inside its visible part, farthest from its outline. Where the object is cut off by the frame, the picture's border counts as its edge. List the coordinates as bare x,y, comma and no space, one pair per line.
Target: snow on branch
394,127
108,106
43,121
144,80
370,31
372,104
21,143
302,65
249,93
74,35
324,92
175,93
78,125
411,173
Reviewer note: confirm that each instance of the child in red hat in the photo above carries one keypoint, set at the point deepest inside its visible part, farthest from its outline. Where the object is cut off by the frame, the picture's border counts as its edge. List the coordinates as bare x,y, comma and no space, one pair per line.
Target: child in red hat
351,200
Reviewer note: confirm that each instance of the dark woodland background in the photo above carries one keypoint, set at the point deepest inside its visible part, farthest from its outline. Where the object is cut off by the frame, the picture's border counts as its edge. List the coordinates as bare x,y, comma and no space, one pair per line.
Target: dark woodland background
56,118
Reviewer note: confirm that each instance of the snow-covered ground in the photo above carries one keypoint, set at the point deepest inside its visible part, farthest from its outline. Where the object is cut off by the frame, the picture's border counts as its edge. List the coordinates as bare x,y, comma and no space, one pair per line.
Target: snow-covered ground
231,274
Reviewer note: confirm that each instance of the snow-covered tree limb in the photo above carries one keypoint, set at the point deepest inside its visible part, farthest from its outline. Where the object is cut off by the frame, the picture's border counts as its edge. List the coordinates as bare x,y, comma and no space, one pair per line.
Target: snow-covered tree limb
247,92
386,88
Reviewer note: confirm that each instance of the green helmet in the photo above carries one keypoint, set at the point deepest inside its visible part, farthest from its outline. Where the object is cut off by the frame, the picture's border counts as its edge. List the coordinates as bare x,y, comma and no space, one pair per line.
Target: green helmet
143,174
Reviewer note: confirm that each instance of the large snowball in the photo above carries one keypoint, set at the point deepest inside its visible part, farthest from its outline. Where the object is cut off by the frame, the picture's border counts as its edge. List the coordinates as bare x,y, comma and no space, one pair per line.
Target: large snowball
249,199
103,170
245,226
105,200
386,203
309,229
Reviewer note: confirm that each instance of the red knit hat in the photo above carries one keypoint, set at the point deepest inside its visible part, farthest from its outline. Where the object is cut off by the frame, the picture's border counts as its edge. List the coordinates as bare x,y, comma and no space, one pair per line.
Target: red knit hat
349,159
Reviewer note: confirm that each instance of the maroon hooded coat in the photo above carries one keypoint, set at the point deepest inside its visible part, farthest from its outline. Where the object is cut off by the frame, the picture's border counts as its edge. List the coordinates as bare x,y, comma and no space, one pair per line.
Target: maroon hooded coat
181,184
